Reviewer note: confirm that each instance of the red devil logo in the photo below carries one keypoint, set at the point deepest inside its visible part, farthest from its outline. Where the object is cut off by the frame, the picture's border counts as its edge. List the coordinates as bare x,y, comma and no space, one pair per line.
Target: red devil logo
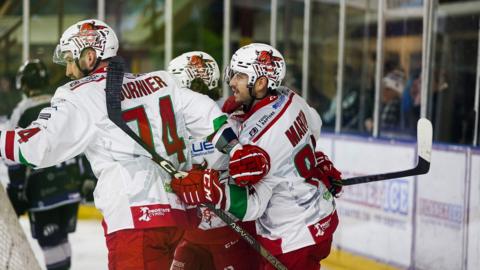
197,61
87,27
267,58
90,26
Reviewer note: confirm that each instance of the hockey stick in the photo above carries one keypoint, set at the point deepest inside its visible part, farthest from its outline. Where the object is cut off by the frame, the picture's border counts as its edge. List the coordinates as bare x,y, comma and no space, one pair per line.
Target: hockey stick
424,151
113,86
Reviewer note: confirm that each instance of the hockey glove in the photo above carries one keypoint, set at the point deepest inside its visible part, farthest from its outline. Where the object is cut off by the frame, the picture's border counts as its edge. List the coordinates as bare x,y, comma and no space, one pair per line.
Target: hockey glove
248,164
87,189
199,186
18,197
17,188
230,105
328,174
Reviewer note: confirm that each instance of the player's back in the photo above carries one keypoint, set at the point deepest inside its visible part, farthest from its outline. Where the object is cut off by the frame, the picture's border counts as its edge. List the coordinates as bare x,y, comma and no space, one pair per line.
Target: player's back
152,105
132,190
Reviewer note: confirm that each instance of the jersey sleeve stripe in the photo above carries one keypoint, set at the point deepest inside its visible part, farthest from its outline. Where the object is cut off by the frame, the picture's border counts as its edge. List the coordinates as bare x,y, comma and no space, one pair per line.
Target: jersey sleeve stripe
238,201
218,123
266,128
22,160
9,145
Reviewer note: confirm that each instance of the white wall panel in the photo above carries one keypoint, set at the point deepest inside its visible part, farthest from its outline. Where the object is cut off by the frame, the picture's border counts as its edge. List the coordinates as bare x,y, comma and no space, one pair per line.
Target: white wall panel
440,213
473,249
376,218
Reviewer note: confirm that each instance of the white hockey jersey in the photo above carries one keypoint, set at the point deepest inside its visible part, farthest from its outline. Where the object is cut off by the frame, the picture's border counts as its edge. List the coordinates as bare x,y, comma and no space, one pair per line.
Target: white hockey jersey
132,191
291,212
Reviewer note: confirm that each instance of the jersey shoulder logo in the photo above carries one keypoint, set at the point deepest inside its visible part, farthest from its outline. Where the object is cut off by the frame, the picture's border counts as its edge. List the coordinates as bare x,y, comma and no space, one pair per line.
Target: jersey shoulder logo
280,101
92,78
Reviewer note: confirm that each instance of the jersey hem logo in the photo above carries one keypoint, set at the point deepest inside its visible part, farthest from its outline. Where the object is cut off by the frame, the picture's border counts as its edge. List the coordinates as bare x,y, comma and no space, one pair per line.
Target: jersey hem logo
158,215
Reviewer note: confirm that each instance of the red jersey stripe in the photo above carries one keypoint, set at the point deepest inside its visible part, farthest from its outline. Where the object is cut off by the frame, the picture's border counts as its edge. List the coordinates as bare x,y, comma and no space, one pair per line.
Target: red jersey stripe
265,129
9,141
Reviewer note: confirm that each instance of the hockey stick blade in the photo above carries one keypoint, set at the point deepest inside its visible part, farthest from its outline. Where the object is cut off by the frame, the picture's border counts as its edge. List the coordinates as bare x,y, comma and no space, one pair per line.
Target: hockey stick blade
114,82
424,151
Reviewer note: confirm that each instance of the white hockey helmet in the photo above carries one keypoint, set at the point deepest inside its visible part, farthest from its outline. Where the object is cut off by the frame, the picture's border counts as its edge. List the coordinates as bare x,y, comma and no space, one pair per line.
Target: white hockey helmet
257,60
195,64
90,33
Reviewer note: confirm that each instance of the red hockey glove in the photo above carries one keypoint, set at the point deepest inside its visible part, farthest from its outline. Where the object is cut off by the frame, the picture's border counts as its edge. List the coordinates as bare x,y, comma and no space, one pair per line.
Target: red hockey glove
199,186
248,164
230,105
328,174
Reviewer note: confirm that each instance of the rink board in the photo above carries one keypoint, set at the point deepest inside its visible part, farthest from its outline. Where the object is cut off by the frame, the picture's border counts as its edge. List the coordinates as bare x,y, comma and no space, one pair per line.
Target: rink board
325,144
376,218
423,222
441,212
473,228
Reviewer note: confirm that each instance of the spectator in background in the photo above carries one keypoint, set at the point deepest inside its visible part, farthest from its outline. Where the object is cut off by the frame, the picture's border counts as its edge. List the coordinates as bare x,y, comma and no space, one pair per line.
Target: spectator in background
411,99
393,85
351,102
392,88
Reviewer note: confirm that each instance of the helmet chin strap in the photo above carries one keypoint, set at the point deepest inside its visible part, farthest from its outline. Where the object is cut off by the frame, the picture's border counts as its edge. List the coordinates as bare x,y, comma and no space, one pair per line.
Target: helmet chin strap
248,106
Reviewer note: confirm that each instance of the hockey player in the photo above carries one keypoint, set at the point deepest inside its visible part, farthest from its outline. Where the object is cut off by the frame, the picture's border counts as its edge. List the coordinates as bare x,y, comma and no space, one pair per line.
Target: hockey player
50,195
142,217
293,205
213,245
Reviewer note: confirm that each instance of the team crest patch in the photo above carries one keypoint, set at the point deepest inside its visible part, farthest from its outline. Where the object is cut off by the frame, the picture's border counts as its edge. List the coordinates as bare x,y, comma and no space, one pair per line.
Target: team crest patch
253,131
